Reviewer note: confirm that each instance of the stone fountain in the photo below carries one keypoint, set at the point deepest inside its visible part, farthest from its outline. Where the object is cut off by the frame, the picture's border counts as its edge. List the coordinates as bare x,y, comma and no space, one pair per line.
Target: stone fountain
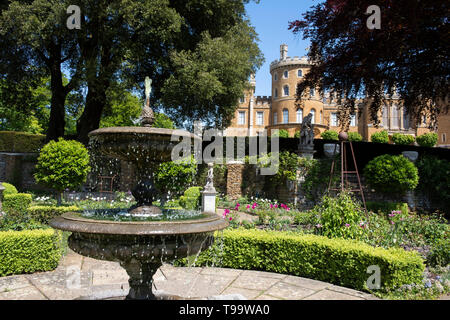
140,247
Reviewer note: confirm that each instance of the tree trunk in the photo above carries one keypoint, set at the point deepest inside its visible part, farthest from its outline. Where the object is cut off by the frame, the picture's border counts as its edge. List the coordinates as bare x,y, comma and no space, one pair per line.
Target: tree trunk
57,120
90,119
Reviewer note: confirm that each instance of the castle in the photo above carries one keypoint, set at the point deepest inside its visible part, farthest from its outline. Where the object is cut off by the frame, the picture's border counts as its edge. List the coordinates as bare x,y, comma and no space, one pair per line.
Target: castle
280,111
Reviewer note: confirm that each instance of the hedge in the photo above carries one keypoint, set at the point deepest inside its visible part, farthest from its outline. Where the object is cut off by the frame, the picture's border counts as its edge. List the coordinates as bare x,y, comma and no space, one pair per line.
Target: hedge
191,199
16,203
44,214
13,141
29,251
338,261
9,188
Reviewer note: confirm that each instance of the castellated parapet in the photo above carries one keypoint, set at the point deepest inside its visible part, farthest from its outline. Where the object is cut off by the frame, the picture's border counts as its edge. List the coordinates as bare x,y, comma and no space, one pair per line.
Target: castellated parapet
298,61
263,101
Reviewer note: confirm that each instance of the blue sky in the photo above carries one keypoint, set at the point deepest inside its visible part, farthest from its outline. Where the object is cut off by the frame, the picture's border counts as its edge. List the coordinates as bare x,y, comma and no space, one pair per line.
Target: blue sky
271,19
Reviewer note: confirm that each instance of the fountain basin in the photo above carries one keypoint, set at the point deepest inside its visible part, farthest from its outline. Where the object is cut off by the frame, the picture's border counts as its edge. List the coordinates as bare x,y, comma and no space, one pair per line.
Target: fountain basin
140,247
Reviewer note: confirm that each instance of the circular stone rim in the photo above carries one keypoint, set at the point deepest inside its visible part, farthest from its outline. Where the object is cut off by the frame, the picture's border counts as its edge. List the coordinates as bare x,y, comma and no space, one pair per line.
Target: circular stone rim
70,222
144,130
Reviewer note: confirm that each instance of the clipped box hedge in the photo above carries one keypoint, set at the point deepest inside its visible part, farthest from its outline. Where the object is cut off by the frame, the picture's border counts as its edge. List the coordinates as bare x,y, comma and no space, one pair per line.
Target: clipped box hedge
338,261
44,214
12,141
16,203
29,251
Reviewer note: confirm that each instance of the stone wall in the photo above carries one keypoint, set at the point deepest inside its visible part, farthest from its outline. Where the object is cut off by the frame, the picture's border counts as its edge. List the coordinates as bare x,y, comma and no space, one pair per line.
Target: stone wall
234,179
18,169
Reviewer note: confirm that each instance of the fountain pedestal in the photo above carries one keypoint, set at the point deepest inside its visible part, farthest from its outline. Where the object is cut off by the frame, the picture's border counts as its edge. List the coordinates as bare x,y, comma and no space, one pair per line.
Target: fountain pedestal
141,278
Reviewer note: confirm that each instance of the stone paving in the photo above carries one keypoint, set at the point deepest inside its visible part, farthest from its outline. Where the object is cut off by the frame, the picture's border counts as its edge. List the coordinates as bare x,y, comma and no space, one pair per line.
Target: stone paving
79,277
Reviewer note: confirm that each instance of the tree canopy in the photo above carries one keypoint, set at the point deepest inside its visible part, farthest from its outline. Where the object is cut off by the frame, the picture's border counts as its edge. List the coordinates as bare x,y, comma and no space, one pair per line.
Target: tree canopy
199,54
408,55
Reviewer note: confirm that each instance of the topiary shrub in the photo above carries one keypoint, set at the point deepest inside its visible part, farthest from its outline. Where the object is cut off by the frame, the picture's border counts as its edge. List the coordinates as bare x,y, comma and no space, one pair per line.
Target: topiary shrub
403,139
427,139
338,261
354,136
29,251
9,189
380,137
191,199
391,174
62,164
16,204
297,134
43,214
339,217
329,135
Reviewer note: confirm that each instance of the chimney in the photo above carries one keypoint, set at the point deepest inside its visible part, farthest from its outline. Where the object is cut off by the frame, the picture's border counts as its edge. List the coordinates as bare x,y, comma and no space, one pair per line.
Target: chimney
283,51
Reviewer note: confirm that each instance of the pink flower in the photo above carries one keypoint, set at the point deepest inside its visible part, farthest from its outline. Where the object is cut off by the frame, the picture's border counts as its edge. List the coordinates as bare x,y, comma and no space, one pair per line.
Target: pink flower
248,206
271,206
318,225
347,225
392,222
276,206
230,218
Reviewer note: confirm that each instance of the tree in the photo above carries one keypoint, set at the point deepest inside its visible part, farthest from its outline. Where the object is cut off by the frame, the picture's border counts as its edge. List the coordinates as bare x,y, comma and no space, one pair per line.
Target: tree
409,55
62,164
199,54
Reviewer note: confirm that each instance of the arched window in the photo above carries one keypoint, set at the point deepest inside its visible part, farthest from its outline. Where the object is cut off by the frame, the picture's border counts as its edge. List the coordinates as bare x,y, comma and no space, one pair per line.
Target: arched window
311,92
242,99
313,112
444,137
275,93
286,90
320,117
286,74
405,119
299,115
395,120
275,76
275,118
299,73
285,116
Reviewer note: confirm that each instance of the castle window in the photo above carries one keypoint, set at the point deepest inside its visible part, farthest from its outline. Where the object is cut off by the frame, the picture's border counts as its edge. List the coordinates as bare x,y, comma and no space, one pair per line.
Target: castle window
299,73
333,119
385,117
275,77
395,120
299,115
242,99
275,93
241,119
311,92
260,118
444,137
286,74
313,112
286,90
405,119
353,120
285,116
275,118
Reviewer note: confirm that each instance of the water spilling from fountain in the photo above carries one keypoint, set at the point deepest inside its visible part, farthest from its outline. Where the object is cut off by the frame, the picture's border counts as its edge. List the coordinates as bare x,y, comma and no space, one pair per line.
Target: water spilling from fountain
143,237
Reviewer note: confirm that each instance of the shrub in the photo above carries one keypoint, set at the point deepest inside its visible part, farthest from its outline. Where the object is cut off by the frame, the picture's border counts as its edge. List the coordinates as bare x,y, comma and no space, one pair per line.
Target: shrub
387,207
380,137
391,174
339,216
29,251
339,261
191,198
403,139
354,136
427,139
282,133
9,189
62,164
173,177
329,135
434,178
297,134
440,254
43,214
16,203
20,141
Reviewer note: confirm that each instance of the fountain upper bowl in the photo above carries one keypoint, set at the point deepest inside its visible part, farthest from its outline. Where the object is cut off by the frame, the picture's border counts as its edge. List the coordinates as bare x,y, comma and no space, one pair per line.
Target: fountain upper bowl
139,144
